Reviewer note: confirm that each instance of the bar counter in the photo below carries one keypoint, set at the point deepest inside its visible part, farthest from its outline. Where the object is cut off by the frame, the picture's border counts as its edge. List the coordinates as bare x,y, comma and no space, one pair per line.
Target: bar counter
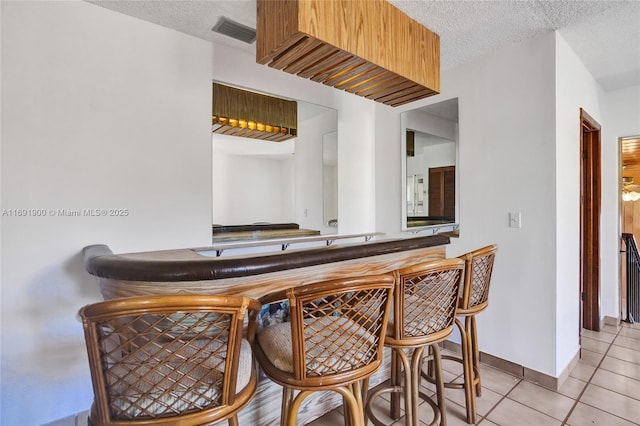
254,275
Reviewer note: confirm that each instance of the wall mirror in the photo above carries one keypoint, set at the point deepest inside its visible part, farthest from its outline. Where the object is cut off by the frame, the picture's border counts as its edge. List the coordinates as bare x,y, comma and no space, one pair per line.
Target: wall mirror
429,168
260,182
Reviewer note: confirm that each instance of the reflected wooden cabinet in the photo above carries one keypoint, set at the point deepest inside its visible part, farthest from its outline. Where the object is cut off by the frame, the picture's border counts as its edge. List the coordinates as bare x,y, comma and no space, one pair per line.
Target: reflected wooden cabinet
442,192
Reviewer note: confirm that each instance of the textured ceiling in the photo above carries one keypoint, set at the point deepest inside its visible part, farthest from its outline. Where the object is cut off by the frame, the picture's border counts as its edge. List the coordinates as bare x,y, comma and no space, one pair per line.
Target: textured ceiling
604,34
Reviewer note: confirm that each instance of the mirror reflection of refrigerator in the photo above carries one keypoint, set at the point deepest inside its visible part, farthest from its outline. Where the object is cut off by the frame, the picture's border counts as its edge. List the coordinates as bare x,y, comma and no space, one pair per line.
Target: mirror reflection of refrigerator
415,195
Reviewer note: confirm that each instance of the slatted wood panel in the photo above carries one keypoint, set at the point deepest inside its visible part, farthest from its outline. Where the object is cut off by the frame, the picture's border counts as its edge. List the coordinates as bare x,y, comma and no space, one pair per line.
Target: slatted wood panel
631,159
366,47
238,112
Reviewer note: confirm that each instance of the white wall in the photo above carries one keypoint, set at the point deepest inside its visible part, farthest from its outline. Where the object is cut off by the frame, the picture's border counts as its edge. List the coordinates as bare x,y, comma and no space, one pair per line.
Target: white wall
388,170
621,117
575,89
249,190
506,163
99,110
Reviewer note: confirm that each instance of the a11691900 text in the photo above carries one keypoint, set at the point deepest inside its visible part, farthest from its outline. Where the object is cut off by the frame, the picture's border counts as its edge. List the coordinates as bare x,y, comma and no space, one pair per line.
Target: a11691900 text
99,212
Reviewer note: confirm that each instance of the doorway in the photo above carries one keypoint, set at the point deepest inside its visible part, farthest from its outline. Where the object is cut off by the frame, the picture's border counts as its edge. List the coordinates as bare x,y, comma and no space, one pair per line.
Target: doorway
629,149
590,195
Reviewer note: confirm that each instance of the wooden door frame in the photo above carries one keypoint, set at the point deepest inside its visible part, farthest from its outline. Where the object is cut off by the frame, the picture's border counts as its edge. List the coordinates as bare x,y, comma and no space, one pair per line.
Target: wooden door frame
590,202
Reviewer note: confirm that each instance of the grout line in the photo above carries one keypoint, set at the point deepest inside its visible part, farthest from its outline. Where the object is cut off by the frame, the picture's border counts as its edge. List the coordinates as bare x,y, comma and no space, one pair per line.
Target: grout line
486,416
566,419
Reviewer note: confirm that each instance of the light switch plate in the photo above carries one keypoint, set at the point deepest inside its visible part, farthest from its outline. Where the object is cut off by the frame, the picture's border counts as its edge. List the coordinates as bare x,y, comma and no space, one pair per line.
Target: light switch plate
515,220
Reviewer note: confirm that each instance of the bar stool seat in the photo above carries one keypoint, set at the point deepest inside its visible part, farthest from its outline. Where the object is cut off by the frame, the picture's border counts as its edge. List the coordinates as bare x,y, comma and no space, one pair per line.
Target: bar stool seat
424,310
474,298
333,342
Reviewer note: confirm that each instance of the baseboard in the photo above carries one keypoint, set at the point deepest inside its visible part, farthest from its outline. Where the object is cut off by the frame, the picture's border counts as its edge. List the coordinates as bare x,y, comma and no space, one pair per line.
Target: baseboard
611,321
518,370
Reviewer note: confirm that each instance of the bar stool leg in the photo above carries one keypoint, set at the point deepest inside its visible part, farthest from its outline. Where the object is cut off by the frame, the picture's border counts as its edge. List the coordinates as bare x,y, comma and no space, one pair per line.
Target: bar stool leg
365,395
294,406
346,412
409,413
437,365
353,407
287,397
476,356
233,420
467,369
414,388
396,371
359,391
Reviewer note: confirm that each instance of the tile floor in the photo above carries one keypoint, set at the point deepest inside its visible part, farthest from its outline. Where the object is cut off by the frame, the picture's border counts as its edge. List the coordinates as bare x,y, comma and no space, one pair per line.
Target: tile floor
603,389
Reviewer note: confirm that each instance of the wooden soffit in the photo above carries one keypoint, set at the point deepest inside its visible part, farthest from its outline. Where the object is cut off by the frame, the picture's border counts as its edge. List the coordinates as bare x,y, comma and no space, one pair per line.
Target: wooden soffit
366,47
239,112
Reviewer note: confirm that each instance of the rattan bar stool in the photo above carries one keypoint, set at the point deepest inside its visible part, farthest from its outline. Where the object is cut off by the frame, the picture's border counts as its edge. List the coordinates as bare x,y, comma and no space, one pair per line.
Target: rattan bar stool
171,359
474,299
333,342
424,310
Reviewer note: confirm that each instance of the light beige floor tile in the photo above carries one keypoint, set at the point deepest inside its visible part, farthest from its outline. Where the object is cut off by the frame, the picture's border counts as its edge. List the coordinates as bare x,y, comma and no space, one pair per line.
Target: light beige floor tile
591,358
610,329
512,413
582,371
449,352
541,399
617,383
612,402
619,366
603,337
496,380
634,333
425,413
446,376
572,387
452,366
484,403
487,422
586,415
594,345
332,418
627,342
456,414
387,395
380,408
624,354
